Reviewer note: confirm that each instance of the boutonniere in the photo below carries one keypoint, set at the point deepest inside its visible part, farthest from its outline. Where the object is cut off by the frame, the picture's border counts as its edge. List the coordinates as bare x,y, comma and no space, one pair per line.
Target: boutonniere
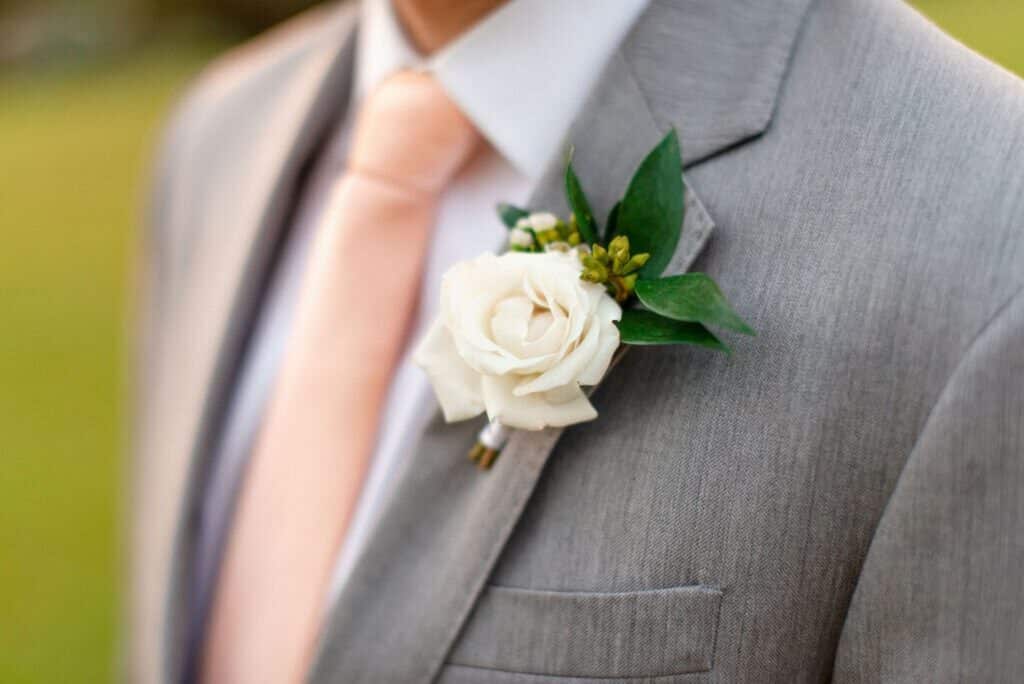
520,335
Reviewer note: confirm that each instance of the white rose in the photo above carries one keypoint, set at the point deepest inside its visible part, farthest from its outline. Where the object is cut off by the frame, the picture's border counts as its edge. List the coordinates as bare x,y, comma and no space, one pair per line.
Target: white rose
517,336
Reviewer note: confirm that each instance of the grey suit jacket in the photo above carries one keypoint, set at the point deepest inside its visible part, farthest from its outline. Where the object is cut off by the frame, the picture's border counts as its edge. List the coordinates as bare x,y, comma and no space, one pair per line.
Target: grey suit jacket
842,499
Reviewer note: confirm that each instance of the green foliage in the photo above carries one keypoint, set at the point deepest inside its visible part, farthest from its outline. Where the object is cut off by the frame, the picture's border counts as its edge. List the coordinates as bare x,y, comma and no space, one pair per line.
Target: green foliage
611,226
651,215
642,327
691,297
615,268
564,233
581,212
510,214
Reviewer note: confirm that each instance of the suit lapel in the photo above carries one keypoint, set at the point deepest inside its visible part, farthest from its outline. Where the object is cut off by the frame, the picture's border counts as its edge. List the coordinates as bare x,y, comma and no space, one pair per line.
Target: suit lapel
446,523
225,285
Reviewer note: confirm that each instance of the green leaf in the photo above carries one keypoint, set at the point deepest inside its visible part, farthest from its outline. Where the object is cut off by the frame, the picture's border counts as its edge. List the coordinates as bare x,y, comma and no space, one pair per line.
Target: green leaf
647,328
651,214
510,214
612,225
580,206
692,297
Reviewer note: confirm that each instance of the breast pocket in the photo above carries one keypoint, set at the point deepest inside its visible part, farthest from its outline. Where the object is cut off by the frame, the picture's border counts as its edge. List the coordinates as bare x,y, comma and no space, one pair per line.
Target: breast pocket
642,634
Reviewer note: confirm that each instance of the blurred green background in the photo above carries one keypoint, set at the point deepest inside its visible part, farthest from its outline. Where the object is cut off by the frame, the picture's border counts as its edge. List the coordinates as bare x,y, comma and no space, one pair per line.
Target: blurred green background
84,85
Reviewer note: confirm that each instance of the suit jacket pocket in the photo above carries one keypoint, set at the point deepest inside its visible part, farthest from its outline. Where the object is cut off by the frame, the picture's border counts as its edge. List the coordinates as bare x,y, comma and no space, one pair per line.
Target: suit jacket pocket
652,633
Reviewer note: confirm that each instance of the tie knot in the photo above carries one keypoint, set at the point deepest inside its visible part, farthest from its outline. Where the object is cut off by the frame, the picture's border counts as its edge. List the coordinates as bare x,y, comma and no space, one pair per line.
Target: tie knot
410,132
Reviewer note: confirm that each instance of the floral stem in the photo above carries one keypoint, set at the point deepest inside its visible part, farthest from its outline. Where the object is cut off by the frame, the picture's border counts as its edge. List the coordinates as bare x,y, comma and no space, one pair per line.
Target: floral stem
489,444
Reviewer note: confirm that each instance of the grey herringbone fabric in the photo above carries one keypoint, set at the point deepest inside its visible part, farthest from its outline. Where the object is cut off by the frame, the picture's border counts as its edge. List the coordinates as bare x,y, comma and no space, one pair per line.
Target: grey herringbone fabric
842,499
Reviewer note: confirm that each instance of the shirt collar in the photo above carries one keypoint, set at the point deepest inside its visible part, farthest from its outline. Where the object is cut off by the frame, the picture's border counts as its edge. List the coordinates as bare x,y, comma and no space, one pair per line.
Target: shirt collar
382,47
521,75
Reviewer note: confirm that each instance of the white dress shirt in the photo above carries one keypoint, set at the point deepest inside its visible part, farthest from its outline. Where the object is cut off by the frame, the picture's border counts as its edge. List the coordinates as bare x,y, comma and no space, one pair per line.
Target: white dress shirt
521,75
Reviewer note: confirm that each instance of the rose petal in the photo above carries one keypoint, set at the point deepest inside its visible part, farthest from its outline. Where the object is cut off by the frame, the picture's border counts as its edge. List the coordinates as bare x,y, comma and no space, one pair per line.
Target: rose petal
588,361
456,385
571,365
510,323
490,279
534,411
558,281
608,311
568,406
549,342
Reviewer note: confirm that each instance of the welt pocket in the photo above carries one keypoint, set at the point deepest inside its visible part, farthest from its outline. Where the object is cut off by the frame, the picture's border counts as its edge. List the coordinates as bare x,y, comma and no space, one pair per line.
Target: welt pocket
652,633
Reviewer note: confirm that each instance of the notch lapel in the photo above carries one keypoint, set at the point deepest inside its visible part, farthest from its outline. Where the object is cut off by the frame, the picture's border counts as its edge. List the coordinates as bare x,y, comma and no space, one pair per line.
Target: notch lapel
446,523
242,224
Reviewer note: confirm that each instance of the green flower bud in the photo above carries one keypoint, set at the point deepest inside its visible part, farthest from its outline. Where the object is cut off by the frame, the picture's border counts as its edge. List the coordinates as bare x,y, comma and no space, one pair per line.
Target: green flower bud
612,267
546,236
564,231
635,263
618,250
619,246
593,270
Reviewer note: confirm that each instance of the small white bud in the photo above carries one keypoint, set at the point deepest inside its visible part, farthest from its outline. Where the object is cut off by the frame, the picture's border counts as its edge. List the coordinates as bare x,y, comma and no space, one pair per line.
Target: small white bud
557,246
517,237
543,221
524,222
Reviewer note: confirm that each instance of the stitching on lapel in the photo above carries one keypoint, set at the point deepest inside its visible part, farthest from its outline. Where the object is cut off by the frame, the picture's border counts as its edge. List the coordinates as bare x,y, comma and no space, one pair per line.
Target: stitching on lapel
694,237
546,440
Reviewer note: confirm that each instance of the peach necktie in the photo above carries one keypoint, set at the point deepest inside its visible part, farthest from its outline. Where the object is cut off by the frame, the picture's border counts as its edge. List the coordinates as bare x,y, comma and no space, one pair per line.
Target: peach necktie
310,459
